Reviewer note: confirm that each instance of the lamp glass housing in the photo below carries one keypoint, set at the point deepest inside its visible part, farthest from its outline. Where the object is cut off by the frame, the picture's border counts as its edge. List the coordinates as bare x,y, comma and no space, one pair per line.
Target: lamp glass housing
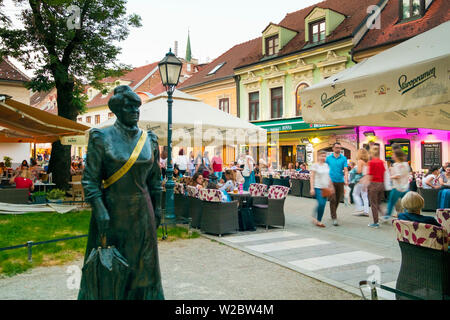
170,70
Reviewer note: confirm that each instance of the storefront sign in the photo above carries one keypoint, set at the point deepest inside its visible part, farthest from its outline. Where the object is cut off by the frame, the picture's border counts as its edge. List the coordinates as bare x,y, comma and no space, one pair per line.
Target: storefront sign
431,155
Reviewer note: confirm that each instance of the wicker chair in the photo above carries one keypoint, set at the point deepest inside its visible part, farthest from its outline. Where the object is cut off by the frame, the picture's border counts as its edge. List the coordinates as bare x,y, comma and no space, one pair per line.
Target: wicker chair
306,189
425,268
268,181
181,203
195,206
443,217
281,182
296,187
431,198
272,212
258,193
217,217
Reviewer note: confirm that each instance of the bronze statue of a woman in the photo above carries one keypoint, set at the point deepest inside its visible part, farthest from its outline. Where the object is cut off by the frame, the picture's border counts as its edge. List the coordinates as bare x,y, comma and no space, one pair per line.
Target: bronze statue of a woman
125,203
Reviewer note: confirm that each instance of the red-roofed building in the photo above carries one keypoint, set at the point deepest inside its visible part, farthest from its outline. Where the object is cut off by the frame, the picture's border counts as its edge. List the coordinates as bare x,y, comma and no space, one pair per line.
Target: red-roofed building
305,47
144,80
12,81
400,21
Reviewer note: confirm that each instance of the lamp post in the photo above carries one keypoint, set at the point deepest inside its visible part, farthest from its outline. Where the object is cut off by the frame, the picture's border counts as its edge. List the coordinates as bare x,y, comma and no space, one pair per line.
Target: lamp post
170,70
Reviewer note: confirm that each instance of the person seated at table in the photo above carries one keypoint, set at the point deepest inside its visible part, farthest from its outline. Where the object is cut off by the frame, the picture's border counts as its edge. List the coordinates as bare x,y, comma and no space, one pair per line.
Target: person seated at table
430,181
413,204
303,168
198,180
291,167
2,168
73,169
35,169
444,178
23,180
23,165
80,167
176,173
230,183
213,185
239,177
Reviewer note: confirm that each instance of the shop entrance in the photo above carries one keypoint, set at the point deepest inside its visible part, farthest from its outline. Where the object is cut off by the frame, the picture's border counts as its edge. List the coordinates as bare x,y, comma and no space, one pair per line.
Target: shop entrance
346,152
287,155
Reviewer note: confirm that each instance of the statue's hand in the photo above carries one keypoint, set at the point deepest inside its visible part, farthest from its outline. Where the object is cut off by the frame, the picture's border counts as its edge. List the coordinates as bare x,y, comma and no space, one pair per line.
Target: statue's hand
103,223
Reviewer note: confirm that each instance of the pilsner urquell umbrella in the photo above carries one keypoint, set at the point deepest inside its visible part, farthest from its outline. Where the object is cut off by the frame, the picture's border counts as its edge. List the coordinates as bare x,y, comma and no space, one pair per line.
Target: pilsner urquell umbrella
106,272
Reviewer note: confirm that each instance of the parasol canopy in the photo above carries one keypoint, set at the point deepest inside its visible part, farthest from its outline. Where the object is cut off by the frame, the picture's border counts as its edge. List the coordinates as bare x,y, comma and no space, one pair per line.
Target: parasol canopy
194,121
22,123
404,86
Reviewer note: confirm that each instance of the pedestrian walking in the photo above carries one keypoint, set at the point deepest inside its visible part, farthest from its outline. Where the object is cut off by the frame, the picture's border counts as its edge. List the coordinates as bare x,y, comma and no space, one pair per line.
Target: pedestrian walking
182,162
217,164
376,172
191,165
321,186
206,165
248,173
360,192
163,163
400,180
339,176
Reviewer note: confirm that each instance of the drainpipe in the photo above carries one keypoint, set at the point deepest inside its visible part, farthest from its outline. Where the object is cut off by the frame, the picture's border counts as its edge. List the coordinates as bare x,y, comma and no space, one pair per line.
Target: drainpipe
237,79
357,138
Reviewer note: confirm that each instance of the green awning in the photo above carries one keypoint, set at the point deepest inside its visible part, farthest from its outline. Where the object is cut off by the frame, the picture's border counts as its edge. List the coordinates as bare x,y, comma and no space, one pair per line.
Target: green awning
292,124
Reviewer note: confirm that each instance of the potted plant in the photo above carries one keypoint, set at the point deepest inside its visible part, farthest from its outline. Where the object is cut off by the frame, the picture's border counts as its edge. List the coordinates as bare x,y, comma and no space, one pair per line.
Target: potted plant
40,197
7,160
56,196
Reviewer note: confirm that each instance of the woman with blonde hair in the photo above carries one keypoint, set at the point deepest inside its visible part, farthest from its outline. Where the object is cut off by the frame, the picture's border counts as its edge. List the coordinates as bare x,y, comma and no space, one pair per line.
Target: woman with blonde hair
23,180
413,204
360,193
376,185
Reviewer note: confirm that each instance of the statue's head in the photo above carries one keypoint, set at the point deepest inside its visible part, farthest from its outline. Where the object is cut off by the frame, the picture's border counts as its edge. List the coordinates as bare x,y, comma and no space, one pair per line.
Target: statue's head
125,105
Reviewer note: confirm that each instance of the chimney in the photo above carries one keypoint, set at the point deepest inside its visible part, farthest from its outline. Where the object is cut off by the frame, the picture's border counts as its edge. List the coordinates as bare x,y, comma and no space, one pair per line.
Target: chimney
176,48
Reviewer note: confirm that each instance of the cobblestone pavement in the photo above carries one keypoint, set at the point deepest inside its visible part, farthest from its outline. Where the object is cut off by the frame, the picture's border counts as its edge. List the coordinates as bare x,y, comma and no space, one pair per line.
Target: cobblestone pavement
339,255
191,269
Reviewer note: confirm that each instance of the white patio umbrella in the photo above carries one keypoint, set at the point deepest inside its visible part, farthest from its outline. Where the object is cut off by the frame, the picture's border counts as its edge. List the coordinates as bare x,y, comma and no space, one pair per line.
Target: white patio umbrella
195,122
404,86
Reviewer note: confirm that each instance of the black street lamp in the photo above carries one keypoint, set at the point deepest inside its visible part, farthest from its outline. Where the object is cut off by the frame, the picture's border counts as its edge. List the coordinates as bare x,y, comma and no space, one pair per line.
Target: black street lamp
170,70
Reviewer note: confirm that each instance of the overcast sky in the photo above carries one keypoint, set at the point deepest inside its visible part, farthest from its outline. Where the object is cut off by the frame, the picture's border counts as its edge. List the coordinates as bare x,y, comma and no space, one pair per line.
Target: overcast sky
215,26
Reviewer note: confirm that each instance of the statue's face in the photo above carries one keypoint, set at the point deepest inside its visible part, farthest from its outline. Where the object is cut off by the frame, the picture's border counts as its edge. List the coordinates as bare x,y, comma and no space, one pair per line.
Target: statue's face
129,113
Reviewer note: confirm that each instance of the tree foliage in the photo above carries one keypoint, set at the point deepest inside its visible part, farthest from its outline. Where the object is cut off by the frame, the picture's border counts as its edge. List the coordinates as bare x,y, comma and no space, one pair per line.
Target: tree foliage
67,44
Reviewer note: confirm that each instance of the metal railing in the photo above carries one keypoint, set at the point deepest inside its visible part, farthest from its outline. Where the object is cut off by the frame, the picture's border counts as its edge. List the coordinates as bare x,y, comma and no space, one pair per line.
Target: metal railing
31,244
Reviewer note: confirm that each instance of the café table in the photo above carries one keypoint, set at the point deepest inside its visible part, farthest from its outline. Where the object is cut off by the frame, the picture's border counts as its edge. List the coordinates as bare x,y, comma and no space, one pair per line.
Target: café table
38,186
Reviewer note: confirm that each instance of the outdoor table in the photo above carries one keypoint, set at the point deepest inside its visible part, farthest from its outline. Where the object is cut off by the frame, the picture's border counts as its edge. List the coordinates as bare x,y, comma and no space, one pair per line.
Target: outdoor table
44,185
241,197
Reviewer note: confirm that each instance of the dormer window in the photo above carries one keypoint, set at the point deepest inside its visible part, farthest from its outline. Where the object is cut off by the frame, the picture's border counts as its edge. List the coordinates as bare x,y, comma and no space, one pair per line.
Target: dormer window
317,31
413,9
272,44
410,8
216,68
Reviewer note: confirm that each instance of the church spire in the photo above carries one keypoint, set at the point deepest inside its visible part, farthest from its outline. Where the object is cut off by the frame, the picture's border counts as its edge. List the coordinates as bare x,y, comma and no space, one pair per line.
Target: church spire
188,49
